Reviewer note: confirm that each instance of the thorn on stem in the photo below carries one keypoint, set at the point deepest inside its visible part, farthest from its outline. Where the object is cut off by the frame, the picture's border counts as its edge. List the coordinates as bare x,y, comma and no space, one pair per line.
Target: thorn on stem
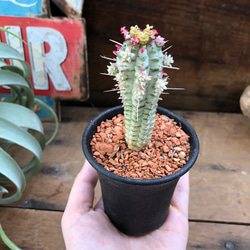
108,58
115,42
167,48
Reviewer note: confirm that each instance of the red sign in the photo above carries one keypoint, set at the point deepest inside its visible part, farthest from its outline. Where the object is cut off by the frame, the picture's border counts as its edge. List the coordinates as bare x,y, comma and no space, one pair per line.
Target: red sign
56,53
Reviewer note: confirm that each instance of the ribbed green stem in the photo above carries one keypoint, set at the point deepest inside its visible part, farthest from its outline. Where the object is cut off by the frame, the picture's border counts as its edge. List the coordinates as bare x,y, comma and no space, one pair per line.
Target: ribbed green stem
141,80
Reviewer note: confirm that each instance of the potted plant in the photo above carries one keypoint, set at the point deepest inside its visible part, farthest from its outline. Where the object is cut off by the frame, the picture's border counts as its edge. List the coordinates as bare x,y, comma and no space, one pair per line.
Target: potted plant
139,150
20,127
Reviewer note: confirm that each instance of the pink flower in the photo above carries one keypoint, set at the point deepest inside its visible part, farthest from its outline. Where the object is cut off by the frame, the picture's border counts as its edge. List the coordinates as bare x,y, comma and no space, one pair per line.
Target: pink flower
142,49
118,46
136,40
165,74
155,32
160,41
124,30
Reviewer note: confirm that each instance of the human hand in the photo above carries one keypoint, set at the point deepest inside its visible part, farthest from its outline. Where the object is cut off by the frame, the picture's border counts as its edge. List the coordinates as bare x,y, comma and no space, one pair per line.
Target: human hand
88,227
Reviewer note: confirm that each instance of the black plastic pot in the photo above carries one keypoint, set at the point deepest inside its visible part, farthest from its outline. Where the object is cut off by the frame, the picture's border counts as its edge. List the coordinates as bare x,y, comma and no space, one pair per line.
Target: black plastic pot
134,206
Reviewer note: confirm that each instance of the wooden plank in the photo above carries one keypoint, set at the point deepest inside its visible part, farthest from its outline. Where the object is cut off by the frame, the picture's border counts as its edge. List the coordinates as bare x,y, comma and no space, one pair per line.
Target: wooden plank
210,40
32,229
218,236
219,181
36,229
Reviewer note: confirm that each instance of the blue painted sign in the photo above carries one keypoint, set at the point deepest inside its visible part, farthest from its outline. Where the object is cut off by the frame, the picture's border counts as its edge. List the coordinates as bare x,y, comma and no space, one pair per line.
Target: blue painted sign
23,8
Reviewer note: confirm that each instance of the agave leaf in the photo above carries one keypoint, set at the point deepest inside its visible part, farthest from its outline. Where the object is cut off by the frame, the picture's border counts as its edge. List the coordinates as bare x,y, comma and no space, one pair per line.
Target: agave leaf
15,110
2,63
52,112
19,136
27,119
22,117
16,93
6,239
19,85
7,52
3,191
12,171
16,121
13,68
15,134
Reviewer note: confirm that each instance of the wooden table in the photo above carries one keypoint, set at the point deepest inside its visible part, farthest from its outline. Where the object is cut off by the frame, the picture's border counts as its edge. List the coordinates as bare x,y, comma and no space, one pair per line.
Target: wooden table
219,211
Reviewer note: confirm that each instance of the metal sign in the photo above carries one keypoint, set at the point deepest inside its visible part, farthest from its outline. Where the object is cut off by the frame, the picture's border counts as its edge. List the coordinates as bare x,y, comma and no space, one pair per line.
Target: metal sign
56,52
24,8
72,8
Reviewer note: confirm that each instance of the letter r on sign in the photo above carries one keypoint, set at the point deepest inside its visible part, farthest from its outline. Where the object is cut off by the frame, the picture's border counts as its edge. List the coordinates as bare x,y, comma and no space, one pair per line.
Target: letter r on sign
47,63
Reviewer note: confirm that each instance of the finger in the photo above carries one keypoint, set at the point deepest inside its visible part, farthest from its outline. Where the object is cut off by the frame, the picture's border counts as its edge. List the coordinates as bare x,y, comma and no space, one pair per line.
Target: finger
99,205
177,219
82,193
181,195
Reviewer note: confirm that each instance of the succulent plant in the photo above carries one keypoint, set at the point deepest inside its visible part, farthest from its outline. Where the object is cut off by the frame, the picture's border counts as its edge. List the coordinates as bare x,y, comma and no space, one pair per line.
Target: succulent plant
139,71
19,124
20,127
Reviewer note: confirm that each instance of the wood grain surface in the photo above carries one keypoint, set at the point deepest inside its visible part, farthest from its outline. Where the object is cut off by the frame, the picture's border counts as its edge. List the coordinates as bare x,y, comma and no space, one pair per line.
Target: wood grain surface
210,46
219,184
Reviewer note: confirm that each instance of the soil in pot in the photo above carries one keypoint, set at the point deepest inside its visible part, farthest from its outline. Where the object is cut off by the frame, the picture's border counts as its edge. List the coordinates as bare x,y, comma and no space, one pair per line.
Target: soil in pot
165,154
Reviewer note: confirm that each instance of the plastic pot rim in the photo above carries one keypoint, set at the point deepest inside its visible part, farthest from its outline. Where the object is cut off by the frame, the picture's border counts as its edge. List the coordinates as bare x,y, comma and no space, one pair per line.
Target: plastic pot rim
194,150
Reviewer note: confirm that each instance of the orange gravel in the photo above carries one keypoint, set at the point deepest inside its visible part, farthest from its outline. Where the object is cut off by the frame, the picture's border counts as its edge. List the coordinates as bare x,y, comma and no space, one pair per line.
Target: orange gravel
165,154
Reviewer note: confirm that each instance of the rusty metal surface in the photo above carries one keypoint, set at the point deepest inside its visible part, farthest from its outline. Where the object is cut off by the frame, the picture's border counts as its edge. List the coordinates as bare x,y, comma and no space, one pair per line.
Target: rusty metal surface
71,8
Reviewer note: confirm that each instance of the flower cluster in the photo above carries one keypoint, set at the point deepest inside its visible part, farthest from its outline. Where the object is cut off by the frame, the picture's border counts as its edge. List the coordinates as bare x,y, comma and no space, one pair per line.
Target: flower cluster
127,55
168,60
121,77
141,79
112,69
136,36
161,84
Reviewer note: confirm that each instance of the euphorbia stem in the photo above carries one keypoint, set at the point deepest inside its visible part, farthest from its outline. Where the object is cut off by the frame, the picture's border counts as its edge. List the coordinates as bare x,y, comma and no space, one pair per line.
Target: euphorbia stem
138,69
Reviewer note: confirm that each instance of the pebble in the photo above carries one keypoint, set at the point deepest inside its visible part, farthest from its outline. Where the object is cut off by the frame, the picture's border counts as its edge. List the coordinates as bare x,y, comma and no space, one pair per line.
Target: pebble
245,102
167,152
